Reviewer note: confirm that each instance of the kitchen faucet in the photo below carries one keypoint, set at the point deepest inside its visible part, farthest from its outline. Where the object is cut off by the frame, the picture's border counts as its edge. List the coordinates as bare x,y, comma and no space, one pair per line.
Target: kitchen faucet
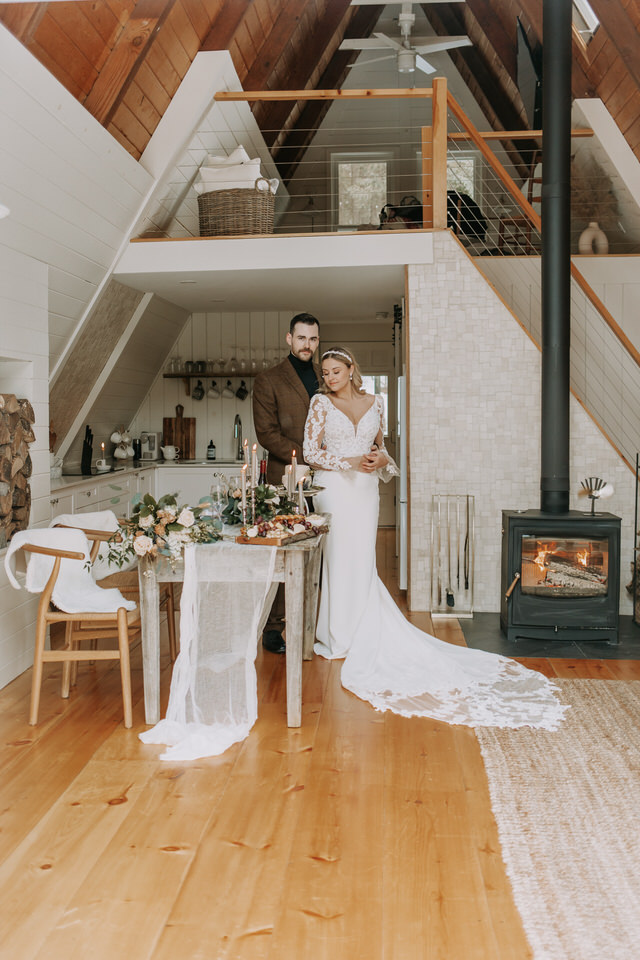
237,433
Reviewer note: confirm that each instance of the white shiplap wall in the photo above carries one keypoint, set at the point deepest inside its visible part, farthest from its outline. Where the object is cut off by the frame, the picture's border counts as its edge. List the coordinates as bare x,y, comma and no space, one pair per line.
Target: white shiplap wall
72,189
24,369
209,336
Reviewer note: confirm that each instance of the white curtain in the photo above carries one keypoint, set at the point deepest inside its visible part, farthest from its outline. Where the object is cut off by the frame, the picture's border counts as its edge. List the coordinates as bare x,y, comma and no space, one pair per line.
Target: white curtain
213,700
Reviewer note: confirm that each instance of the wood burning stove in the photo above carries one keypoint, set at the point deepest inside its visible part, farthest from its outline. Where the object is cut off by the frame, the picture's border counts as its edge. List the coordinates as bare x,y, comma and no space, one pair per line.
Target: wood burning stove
560,575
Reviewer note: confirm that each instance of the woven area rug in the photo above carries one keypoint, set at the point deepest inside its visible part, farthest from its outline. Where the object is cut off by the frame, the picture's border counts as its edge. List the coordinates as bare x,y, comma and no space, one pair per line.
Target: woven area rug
567,805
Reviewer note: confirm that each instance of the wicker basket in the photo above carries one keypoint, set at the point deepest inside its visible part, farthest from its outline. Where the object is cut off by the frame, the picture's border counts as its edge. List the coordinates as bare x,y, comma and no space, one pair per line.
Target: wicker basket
234,212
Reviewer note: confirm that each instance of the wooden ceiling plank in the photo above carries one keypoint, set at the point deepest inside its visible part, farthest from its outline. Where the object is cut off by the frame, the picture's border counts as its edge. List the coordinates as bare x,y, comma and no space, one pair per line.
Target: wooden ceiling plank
622,31
198,17
189,39
273,120
65,55
104,21
499,30
223,28
56,69
132,129
273,44
295,141
152,87
22,19
142,108
80,31
128,53
172,41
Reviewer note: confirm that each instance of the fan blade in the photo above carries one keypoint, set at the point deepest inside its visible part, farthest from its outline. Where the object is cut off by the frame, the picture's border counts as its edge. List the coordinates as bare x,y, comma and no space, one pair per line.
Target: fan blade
389,41
364,63
438,44
422,64
363,45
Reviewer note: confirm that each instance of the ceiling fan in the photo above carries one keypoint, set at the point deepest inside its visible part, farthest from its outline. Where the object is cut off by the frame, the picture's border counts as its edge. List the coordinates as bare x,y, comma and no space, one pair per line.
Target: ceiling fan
408,54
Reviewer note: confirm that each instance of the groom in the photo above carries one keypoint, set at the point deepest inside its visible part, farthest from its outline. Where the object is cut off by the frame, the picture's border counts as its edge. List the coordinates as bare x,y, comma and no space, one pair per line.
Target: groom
281,398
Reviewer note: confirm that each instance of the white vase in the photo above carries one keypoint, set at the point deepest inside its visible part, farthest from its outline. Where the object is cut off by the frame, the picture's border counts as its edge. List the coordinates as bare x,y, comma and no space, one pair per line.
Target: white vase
593,240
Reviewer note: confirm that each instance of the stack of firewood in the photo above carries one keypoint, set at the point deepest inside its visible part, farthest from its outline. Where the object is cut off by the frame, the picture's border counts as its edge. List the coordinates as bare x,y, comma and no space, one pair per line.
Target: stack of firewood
16,433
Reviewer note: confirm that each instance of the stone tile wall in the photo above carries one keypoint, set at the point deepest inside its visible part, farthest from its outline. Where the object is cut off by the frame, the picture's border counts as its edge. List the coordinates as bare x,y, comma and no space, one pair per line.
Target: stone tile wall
474,420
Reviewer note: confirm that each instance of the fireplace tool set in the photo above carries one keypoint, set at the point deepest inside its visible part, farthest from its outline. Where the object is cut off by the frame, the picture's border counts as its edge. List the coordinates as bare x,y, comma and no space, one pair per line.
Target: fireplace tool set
452,520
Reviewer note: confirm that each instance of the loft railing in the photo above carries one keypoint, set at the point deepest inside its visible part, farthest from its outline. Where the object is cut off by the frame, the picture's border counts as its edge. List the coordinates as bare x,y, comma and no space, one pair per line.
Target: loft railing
605,364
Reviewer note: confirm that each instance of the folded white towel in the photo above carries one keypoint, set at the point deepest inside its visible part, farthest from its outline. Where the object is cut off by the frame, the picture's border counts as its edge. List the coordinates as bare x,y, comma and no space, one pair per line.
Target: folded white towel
239,155
241,176
75,589
99,520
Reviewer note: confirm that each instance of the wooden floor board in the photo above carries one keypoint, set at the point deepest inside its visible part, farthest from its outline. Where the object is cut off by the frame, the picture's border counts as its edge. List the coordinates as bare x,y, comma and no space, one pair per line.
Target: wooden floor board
358,836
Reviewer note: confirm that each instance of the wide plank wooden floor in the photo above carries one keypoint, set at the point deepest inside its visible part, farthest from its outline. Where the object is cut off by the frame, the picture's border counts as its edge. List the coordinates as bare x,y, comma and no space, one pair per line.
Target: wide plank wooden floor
359,836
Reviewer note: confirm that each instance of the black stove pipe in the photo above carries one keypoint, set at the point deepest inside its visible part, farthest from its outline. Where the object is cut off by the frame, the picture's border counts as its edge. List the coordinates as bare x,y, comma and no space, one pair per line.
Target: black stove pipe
556,255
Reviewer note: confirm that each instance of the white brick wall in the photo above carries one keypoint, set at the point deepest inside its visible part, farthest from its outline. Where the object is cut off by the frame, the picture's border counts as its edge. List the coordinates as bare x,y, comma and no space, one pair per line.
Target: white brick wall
475,420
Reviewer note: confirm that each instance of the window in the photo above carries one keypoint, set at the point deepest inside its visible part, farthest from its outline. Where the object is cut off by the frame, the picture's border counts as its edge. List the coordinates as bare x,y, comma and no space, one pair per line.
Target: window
359,187
585,21
463,173
379,386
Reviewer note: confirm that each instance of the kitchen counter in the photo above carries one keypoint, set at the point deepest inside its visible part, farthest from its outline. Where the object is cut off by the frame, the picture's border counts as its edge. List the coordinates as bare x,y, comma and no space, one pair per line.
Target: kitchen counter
67,481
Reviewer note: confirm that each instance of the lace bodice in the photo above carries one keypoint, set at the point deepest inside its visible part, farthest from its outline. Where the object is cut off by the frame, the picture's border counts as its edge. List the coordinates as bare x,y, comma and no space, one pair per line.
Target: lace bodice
330,437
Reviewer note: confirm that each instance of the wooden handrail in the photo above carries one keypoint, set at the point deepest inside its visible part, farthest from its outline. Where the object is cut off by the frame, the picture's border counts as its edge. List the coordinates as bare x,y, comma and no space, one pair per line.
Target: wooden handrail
258,95
534,219
516,134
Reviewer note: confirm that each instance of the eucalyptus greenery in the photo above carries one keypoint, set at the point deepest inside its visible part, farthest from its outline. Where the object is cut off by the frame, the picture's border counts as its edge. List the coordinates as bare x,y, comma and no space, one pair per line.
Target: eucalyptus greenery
269,503
162,527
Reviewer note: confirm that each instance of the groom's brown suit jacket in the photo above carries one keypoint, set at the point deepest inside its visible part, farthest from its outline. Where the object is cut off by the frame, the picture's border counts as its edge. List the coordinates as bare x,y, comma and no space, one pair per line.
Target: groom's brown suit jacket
280,407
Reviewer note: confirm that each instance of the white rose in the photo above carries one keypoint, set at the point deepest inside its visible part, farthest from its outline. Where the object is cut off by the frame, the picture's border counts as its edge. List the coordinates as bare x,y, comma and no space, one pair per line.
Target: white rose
252,532
142,545
145,522
186,517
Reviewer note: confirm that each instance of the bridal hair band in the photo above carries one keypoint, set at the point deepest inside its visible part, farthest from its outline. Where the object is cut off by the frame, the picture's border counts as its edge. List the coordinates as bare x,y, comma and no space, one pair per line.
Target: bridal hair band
338,353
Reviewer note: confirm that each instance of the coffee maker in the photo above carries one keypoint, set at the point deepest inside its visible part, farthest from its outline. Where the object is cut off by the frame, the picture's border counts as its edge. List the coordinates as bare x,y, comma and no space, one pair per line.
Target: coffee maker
150,444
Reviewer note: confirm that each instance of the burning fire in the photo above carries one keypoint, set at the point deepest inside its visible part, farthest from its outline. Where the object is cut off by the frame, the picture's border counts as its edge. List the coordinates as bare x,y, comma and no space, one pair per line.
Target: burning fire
541,557
583,557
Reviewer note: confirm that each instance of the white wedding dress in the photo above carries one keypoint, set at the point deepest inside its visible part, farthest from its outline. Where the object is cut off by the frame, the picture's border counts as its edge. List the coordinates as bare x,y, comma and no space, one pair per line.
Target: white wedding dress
388,661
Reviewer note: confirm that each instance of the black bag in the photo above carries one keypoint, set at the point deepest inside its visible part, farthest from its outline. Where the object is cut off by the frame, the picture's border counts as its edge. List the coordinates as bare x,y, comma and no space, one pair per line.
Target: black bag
407,212
464,216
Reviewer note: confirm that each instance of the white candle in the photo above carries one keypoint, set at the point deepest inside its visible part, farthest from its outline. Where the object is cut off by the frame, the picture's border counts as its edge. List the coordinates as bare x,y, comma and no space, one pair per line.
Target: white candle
289,474
300,496
245,450
294,466
254,465
102,445
243,490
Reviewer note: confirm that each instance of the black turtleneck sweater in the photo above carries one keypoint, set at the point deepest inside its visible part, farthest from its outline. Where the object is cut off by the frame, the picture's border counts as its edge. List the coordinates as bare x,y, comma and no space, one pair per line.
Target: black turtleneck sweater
306,372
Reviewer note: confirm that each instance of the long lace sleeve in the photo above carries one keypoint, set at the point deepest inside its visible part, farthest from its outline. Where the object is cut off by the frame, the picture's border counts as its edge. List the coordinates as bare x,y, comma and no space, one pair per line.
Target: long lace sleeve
314,453
390,469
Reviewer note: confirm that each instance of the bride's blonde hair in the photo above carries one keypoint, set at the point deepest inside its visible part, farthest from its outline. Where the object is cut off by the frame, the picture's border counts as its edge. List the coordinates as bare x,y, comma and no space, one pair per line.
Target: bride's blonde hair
344,356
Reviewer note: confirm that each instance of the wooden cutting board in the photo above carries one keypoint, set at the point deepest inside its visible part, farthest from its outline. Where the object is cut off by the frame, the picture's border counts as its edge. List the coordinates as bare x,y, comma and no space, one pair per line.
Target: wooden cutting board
180,432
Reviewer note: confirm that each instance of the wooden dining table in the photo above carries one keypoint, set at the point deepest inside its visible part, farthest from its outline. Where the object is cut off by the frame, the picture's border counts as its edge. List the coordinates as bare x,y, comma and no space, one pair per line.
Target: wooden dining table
297,565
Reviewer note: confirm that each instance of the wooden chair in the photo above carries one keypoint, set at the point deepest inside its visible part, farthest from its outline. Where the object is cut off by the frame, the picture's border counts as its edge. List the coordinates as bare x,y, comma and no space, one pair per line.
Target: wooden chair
126,582
517,229
122,623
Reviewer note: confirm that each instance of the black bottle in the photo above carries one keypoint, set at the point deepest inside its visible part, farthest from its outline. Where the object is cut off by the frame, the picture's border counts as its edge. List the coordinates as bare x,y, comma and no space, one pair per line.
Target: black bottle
211,451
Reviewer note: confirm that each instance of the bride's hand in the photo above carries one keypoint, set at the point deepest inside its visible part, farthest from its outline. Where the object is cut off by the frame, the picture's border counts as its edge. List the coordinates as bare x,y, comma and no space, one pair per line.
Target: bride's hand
372,461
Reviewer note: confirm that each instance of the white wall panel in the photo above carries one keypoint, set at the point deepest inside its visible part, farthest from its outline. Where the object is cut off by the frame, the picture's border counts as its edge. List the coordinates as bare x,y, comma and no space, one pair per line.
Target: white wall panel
23,340
73,191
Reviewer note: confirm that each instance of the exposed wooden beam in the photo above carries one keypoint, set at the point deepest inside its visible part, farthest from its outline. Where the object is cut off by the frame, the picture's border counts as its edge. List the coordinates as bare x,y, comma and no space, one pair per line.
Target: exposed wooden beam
224,26
125,59
294,141
283,30
274,119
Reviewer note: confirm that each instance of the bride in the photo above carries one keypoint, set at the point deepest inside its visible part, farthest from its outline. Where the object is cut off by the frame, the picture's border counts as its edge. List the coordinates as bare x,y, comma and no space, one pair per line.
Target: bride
388,661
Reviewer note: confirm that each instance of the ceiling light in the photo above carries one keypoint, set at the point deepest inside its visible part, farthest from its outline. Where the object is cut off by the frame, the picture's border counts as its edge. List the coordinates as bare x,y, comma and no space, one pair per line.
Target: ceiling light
406,61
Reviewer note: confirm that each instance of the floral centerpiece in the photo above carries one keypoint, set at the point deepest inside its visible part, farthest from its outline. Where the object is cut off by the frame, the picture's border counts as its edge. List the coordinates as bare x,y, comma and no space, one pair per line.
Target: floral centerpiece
162,527
268,504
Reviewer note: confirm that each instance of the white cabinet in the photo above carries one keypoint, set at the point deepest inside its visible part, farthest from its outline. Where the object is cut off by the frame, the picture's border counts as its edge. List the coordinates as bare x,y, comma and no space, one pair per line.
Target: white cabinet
190,483
144,482
60,503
